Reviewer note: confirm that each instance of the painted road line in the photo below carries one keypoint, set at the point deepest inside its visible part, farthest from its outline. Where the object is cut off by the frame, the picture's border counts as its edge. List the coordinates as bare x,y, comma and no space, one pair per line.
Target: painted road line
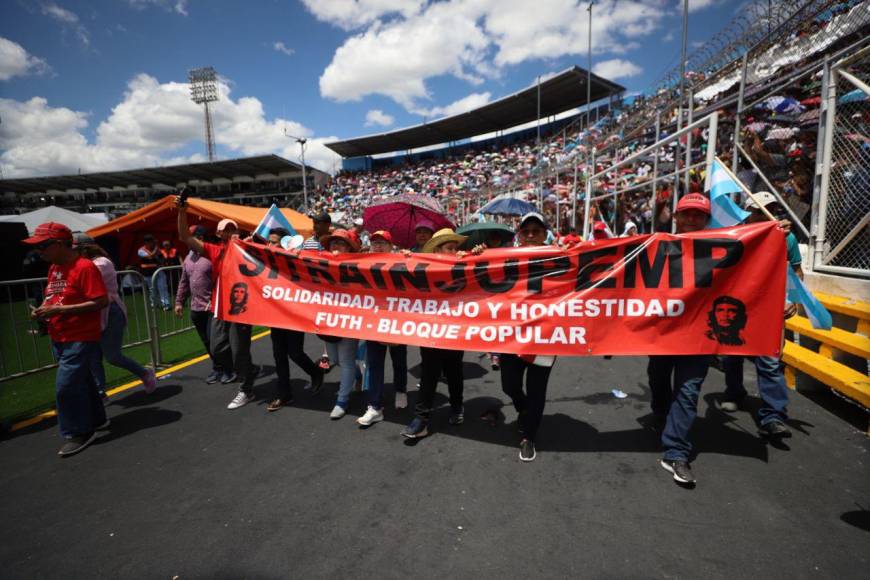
120,389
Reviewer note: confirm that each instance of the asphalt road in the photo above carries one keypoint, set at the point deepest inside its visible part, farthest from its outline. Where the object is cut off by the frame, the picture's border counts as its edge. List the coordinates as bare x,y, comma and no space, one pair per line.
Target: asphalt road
182,487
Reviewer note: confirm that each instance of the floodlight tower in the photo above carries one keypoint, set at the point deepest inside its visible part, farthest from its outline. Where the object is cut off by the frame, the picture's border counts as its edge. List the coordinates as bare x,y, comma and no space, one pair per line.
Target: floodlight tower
203,90
302,141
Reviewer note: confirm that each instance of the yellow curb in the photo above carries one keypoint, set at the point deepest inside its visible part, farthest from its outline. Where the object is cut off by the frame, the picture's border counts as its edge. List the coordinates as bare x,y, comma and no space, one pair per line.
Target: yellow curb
120,389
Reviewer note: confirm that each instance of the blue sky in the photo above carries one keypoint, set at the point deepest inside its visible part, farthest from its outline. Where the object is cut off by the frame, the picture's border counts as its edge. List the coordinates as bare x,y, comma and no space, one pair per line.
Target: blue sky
100,85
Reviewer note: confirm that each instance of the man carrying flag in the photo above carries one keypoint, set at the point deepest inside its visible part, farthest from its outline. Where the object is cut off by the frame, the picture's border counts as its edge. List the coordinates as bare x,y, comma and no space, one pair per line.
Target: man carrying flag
772,415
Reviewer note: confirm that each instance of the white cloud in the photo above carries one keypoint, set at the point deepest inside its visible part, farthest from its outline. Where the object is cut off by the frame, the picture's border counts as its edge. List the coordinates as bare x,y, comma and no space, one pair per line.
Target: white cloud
350,14
150,126
472,40
467,103
695,5
378,117
177,6
16,61
69,20
395,59
281,47
616,69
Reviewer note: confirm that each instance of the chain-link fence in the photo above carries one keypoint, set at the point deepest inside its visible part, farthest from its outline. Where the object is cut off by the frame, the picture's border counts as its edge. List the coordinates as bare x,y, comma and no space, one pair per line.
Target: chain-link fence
843,240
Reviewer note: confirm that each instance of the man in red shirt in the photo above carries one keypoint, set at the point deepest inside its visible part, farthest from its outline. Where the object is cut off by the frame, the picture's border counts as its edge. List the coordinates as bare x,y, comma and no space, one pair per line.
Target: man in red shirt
230,341
74,296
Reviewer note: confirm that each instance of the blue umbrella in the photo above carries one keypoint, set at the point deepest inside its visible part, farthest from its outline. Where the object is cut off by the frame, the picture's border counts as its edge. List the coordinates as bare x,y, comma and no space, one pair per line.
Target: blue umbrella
855,96
508,206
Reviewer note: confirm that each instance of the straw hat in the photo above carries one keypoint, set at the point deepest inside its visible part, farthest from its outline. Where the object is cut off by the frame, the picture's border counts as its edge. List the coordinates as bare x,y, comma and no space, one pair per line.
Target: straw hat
442,237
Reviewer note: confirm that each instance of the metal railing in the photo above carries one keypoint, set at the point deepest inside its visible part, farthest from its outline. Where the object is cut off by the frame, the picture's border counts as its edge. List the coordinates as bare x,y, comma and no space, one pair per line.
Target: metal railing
711,122
25,350
164,287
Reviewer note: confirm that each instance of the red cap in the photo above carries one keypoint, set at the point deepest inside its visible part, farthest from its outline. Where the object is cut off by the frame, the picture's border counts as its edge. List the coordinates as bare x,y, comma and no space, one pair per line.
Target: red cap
694,201
600,226
49,231
382,234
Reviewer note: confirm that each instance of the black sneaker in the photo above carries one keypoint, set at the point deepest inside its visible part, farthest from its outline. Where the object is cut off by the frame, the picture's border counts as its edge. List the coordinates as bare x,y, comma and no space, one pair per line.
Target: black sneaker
213,377
229,378
527,450
680,469
775,429
317,380
417,429
76,444
457,416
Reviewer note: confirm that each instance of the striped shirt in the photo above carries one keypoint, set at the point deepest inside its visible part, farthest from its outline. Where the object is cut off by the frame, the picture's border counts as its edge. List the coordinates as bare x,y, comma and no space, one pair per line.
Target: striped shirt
312,243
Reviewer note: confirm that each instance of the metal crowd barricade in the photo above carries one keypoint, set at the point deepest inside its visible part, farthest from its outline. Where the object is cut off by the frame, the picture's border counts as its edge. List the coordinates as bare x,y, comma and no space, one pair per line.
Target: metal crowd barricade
164,284
24,350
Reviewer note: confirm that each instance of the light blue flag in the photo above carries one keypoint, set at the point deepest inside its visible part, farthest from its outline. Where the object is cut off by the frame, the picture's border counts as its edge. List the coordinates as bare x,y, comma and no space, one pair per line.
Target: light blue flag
799,294
273,219
723,212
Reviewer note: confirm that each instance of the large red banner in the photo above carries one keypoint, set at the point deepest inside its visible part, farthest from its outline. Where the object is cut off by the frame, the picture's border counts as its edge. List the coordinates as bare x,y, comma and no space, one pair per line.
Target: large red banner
714,291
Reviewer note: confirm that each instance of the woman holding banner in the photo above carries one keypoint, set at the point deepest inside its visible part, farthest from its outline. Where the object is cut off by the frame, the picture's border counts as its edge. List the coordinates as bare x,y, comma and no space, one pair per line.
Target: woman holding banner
376,355
436,361
342,349
529,403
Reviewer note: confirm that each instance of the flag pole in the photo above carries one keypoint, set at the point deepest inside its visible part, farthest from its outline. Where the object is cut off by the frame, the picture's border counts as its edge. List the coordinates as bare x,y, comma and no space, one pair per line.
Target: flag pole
745,189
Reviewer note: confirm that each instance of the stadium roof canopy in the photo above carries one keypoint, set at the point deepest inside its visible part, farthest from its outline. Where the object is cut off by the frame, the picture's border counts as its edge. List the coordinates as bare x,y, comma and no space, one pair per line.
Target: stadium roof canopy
171,176
558,94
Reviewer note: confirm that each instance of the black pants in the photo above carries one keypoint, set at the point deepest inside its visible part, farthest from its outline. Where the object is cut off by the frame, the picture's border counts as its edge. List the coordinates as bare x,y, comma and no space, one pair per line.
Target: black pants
659,372
529,403
434,362
231,348
202,323
287,345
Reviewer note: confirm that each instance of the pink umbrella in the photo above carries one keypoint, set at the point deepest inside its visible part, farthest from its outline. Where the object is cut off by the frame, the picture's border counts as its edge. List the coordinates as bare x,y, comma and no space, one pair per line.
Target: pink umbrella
400,215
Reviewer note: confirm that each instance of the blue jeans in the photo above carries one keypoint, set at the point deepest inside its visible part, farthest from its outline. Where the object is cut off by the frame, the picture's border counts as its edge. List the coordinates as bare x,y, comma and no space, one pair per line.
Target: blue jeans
771,386
79,407
160,291
110,343
376,356
689,373
344,351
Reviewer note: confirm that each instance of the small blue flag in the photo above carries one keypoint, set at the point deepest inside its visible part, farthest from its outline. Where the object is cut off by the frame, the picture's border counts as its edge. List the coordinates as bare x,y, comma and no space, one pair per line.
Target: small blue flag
799,294
273,219
723,212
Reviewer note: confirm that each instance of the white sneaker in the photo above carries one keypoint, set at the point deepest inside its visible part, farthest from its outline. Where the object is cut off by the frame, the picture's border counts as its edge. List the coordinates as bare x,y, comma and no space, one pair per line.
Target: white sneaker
371,416
241,400
337,413
401,400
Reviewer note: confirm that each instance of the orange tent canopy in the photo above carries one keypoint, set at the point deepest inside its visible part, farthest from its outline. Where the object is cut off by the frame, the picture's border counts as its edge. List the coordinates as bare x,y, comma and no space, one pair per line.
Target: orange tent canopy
123,236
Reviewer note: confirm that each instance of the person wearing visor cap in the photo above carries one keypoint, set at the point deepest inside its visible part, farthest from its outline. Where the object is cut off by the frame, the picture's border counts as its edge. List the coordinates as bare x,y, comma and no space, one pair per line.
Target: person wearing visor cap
675,380
196,283
230,342
74,296
376,355
342,349
113,319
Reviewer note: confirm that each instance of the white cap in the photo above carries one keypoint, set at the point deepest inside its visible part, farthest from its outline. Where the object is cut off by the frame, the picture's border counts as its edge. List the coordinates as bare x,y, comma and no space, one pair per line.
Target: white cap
533,215
764,197
224,223
292,242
